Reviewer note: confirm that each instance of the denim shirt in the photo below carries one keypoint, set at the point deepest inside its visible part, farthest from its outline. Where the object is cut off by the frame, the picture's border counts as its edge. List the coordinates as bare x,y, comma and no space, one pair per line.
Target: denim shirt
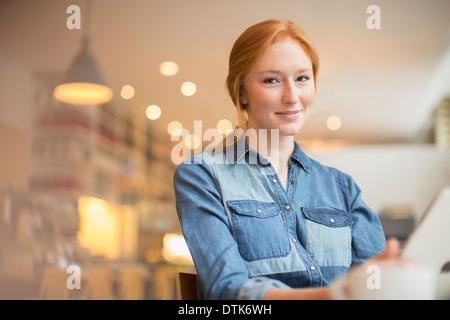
247,233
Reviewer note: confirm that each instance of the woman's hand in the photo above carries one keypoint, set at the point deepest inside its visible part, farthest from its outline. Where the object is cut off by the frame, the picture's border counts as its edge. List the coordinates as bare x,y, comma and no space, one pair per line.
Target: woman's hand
340,288
392,251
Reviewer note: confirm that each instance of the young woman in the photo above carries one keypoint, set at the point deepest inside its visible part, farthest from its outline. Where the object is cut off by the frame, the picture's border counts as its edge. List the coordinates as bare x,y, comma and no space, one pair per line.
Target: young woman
269,222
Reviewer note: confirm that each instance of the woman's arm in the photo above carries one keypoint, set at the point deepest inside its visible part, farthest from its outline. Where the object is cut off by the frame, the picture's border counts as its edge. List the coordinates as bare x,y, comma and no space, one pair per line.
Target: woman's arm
322,293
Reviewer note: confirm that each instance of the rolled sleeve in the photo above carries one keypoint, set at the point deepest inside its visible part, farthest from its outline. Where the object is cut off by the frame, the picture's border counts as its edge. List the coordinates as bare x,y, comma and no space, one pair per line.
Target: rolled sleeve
256,288
368,239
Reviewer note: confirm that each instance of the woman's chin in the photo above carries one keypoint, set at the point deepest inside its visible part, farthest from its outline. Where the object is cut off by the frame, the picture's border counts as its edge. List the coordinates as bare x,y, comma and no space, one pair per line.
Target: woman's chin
289,131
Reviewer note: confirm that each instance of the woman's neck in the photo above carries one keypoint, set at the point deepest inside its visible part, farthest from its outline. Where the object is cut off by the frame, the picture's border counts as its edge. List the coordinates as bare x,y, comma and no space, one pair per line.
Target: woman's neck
277,149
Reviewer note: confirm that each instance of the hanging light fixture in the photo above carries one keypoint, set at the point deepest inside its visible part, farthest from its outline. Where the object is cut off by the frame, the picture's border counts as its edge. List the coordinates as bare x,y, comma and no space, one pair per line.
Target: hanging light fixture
83,83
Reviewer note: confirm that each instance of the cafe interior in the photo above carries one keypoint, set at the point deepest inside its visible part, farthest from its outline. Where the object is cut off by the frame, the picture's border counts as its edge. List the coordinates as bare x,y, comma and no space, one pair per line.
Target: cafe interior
87,205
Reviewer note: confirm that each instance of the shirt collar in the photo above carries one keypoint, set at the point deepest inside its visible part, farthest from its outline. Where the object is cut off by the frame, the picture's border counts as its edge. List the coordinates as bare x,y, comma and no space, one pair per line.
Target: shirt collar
238,150
299,156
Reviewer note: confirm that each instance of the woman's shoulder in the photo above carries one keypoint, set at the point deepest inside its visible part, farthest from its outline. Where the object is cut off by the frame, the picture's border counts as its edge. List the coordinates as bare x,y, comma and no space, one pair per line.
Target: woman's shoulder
201,162
338,174
207,158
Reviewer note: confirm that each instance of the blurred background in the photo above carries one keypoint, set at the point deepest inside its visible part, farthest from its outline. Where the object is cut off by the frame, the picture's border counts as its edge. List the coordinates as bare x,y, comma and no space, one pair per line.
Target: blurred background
88,183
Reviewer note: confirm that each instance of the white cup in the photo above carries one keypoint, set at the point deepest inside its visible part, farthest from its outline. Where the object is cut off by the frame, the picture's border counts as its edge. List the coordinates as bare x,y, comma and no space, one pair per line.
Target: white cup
388,280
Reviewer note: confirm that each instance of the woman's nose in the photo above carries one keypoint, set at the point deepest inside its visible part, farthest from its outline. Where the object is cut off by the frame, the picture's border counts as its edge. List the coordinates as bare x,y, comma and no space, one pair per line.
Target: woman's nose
290,94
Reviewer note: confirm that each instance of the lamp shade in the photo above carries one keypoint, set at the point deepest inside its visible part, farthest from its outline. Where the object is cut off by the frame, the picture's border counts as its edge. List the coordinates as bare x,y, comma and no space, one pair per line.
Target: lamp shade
83,83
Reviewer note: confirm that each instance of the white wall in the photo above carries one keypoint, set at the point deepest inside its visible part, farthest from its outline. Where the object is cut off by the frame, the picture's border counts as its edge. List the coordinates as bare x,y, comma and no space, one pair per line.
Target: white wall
393,174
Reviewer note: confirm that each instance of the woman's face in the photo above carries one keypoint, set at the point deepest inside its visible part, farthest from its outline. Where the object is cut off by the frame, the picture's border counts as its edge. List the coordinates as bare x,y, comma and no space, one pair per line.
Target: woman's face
279,90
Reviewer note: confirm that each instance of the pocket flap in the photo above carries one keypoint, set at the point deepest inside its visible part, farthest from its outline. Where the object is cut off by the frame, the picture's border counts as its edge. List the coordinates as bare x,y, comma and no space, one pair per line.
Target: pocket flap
254,208
328,217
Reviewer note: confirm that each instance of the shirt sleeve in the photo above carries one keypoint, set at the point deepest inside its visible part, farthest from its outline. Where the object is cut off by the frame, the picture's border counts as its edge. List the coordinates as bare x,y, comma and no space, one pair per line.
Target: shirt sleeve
368,239
221,270
256,288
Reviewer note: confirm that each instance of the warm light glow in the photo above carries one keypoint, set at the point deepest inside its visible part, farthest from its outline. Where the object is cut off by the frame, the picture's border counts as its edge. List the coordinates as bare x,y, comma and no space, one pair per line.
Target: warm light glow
153,112
192,141
174,128
108,229
168,68
224,125
127,92
188,88
318,146
334,123
175,249
82,93
98,227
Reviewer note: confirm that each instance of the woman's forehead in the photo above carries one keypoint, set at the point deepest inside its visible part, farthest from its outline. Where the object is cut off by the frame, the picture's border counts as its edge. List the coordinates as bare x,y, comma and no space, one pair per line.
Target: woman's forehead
286,53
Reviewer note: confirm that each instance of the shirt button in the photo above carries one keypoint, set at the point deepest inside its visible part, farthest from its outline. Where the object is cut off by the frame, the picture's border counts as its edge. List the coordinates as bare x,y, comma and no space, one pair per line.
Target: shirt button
332,220
312,268
274,180
291,181
259,211
293,240
287,207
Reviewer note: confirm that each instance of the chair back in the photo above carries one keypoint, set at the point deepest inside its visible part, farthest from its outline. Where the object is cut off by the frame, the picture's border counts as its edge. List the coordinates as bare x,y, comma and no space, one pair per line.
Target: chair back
186,284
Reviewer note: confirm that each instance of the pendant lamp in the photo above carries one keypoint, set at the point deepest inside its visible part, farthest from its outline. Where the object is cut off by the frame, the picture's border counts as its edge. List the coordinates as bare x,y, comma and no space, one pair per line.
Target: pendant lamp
83,83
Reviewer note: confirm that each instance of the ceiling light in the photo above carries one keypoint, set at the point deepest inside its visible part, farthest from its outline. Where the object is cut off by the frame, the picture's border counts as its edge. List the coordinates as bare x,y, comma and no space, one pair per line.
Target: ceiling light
127,92
83,83
188,88
174,128
334,123
153,112
168,68
224,125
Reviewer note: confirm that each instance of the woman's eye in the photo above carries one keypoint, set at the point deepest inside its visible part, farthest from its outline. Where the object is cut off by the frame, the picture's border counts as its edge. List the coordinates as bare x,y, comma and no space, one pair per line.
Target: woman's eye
270,80
303,78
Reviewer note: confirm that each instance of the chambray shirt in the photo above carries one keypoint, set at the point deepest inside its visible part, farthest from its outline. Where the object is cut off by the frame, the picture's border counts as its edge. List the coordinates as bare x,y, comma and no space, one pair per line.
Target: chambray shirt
247,233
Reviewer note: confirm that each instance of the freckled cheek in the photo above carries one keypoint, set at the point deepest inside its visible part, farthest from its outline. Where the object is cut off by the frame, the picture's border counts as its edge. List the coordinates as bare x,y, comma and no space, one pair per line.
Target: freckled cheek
307,97
264,100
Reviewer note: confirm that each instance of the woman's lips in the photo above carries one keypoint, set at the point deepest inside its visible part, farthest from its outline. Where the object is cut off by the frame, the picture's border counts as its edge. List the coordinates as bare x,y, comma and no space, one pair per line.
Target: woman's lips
291,114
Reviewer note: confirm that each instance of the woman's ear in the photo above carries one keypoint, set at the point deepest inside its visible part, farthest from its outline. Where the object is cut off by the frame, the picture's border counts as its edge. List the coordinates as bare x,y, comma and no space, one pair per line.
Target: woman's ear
243,98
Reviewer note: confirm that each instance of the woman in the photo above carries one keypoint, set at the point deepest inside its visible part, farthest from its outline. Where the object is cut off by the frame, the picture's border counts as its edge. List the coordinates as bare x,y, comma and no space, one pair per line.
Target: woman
266,221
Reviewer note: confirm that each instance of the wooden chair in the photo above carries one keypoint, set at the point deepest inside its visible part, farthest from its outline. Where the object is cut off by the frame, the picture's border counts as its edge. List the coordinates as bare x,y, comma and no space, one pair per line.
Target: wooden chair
186,286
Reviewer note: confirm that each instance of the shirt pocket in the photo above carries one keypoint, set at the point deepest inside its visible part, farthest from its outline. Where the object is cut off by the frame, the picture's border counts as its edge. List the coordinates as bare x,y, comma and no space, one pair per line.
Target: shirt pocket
258,229
328,236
